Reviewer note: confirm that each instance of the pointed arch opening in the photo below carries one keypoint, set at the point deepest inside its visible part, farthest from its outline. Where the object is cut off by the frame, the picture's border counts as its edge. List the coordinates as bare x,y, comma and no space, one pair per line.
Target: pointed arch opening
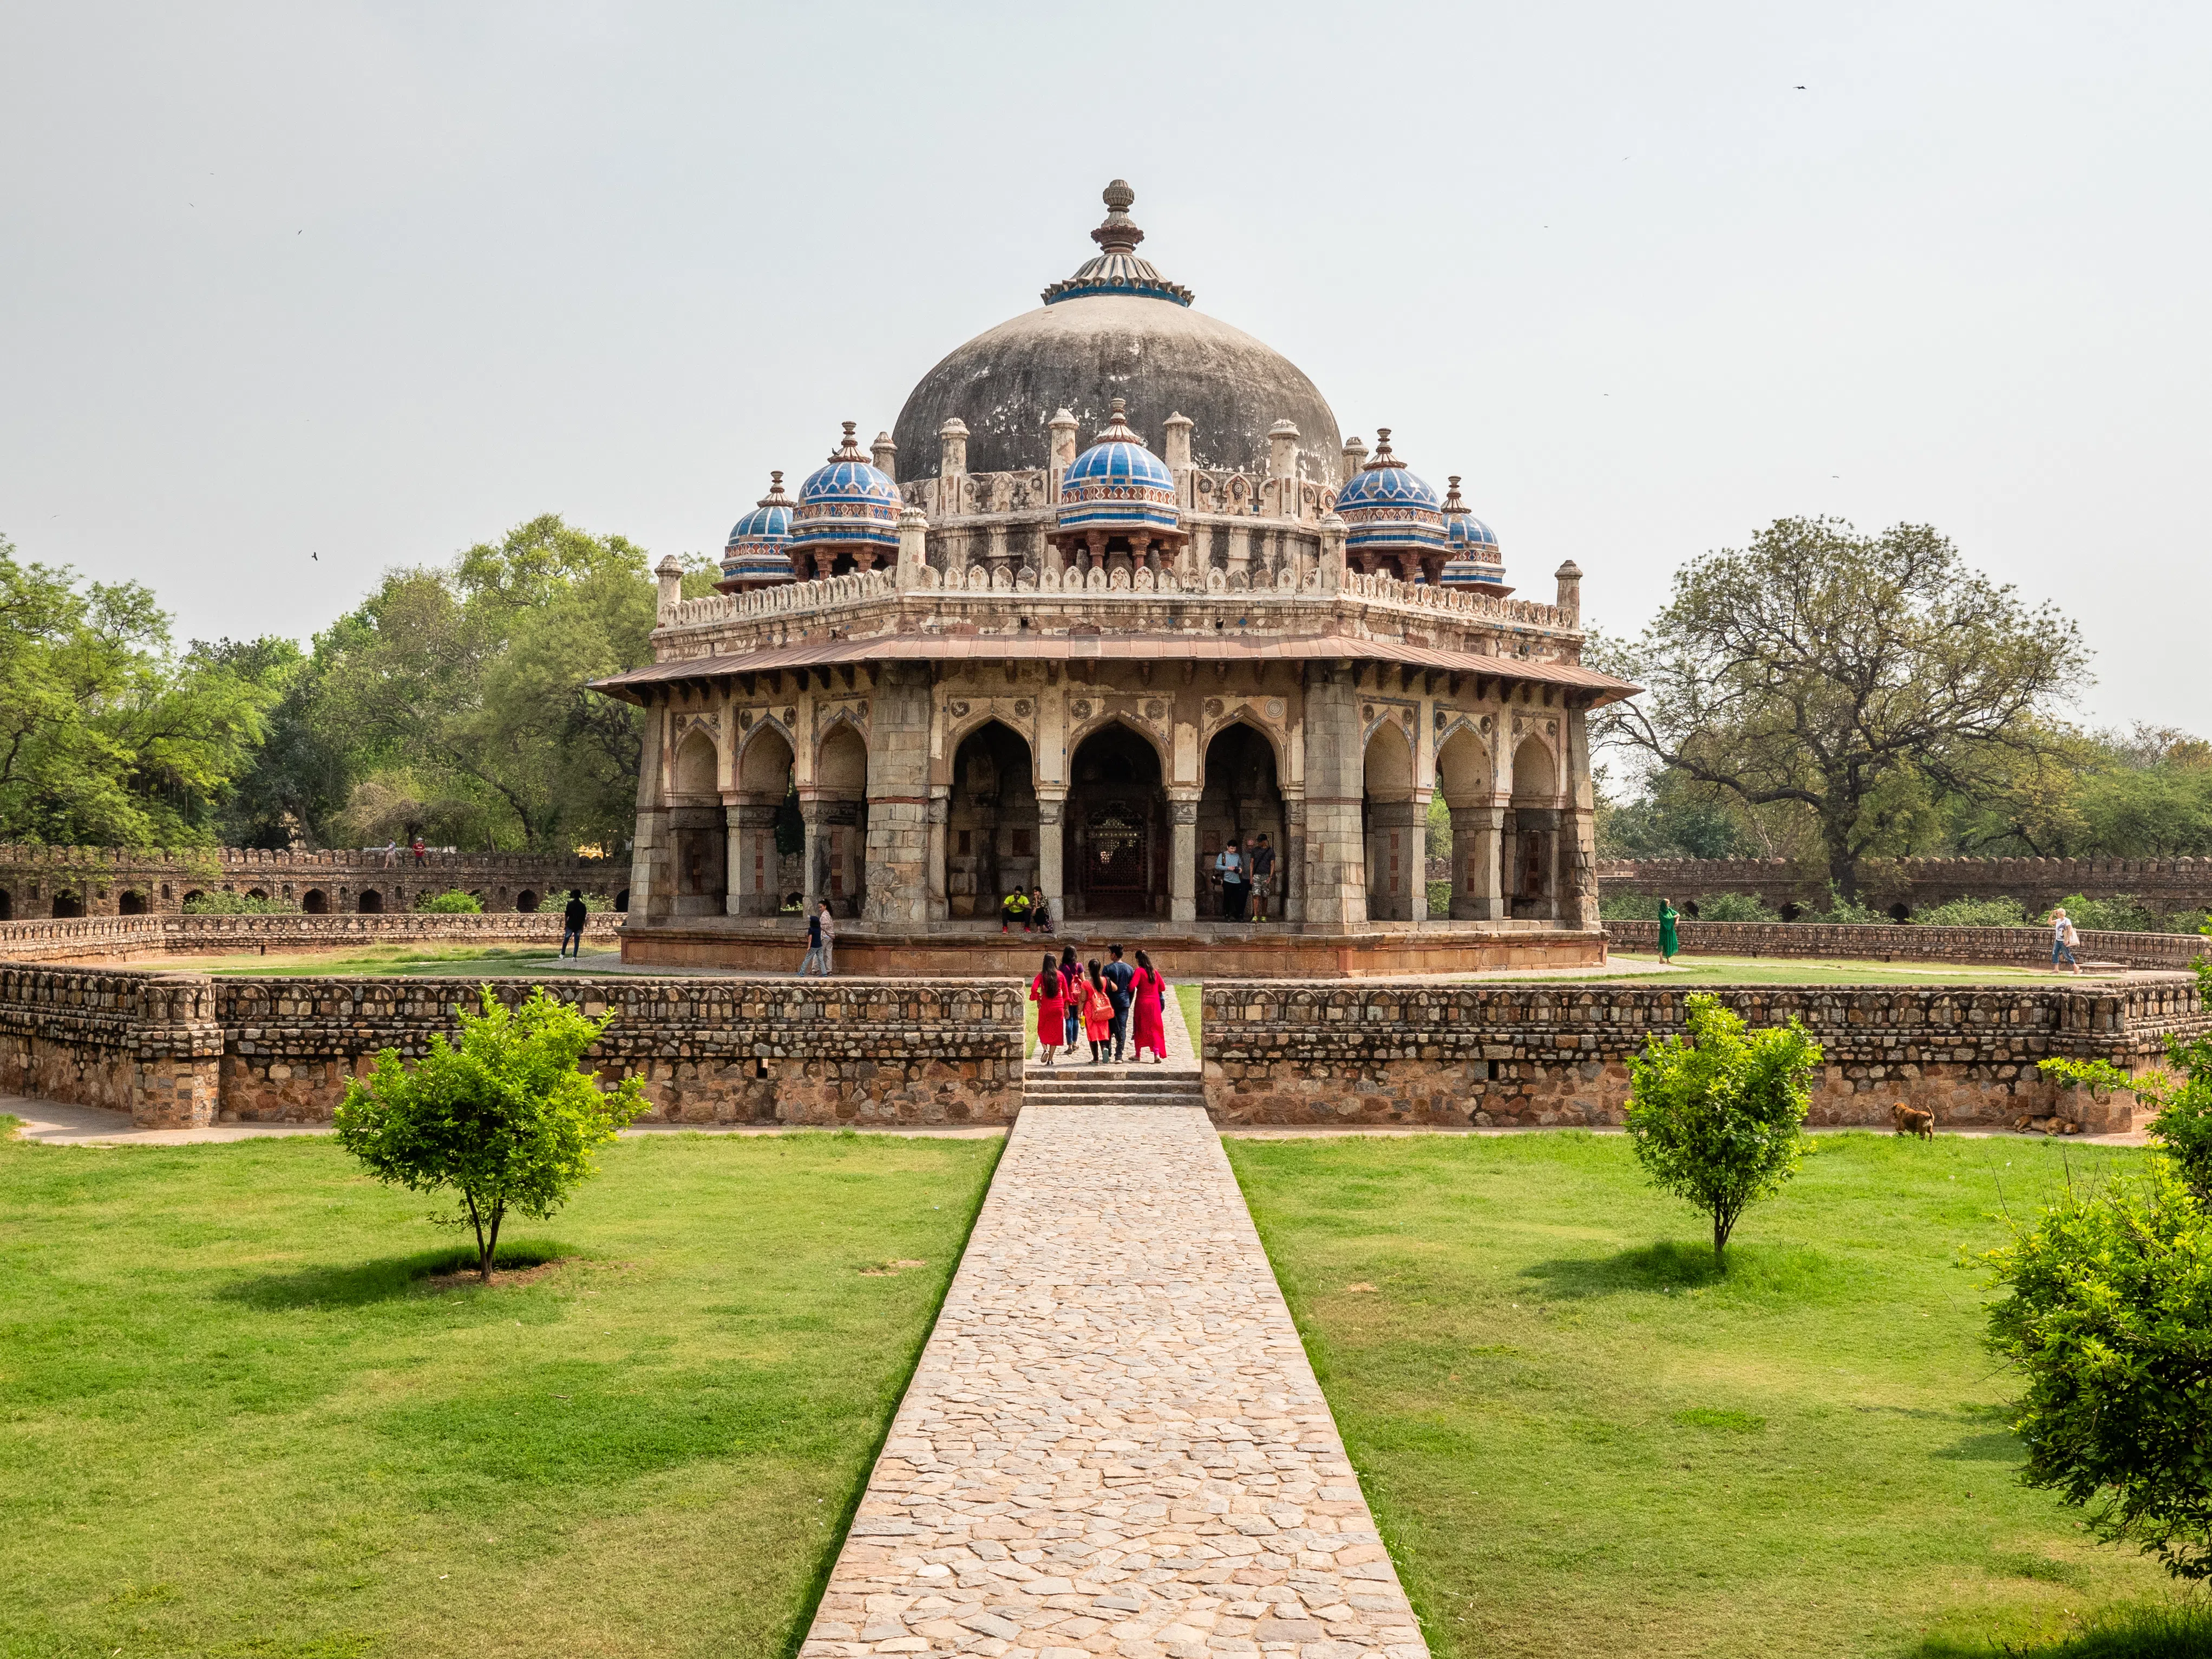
697,828
1463,828
1395,837
991,825
768,832
1116,826
1241,803
836,807
1533,832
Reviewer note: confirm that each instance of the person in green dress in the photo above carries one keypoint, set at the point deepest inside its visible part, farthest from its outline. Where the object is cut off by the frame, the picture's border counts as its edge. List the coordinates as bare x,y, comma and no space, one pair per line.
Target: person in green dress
1669,943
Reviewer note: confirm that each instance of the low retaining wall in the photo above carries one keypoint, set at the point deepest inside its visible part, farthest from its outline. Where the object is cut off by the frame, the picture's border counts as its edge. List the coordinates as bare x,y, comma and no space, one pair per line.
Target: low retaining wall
2166,883
1905,942
136,938
180,1050
1487,1055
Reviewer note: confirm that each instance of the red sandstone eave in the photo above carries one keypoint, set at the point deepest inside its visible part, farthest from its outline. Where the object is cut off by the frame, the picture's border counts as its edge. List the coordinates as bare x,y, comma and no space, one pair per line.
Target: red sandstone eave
630,686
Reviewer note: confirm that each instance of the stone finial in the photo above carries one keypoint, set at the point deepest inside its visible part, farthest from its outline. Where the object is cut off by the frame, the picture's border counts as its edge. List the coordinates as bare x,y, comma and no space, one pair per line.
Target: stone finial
912,549
1283,450
1569,576
1382,455
1355,457
1119,234
952,448
886,455
1061,437
1333,533
669,575
1177,444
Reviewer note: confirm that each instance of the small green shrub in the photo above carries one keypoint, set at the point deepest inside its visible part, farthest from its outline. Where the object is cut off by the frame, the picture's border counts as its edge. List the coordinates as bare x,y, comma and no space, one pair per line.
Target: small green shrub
2183,1096
1735,907
236,904
454,904
1973,913
1717,1117
2108,1316
1440,899
1840,909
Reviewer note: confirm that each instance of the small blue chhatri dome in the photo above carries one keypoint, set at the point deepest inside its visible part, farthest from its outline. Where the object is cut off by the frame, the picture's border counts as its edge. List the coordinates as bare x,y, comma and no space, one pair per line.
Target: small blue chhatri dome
1119,486
1387,508
1476,561
754,556
847,503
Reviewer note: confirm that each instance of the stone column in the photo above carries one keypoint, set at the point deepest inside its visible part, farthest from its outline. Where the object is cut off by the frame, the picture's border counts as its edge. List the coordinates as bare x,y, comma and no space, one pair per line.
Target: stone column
653,865
897,879
1395,897
1291,864
1335,849
1476,833
750,889
1182,854
814,858
1052,817
940,807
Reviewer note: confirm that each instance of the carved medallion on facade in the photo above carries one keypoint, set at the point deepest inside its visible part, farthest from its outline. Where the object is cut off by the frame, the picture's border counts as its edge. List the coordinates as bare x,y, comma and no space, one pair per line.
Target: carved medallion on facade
1080,709
1155,710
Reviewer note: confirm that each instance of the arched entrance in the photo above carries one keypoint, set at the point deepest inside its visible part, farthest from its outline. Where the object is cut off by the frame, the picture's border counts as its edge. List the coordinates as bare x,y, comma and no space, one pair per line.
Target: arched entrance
991,821
315,901
764,768
1116,827
1464,780
1397,839
696,822
131,903
68,907
371,902
837,817
1242,801
1533,833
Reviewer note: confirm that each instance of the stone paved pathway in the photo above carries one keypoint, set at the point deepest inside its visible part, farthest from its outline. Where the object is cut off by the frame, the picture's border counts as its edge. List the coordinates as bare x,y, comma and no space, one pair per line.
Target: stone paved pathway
1113,1443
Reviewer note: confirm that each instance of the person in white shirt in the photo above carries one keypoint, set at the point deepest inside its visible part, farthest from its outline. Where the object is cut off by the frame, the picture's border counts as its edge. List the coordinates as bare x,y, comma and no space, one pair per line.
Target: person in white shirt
2063,938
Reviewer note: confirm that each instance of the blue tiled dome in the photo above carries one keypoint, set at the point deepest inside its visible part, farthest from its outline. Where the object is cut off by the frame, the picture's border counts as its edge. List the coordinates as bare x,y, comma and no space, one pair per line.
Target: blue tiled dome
755,553
847,503
1387,507
1476,561
1119,486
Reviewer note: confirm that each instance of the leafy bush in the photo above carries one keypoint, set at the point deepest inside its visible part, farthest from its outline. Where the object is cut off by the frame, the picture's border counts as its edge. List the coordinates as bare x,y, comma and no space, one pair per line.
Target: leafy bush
1973,913
1717,1117
506,1120
1735,907
2183,1096
1440,898
2109,1318
1627,906
1844,910
454,904
2116,915
236,904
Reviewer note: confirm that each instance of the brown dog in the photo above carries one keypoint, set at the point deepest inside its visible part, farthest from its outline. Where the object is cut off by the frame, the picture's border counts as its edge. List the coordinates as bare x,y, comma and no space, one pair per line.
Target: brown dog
1911,1121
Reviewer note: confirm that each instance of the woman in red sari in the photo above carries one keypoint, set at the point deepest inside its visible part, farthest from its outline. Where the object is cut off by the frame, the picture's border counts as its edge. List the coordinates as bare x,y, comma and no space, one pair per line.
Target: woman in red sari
1098,1015
1148,1025
1052,1008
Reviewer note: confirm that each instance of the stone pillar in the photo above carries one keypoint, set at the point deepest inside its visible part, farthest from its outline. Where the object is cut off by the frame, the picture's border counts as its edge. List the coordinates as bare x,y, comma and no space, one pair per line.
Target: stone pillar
1061,455
814,858
1355,457
940,808
1332,531
670,575
653,861
885,453
1291,864
1052,819
897,879
1335,850
914,548
1283,459
1476,830
1182,854
1570,578
953,458
751,889
1175,445
1401,832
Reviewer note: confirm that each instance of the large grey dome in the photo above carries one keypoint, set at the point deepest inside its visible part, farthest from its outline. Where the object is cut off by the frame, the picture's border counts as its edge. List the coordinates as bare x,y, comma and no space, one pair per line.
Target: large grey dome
1116,329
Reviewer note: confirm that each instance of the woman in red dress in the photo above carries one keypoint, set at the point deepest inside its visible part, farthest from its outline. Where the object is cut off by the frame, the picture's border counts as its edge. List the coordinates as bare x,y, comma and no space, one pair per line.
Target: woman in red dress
1148,1025
1097,1014
1052,1008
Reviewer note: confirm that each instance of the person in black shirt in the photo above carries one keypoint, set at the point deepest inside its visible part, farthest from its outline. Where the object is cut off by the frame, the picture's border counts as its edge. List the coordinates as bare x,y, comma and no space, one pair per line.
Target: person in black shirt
1263,859
1119,977
572,923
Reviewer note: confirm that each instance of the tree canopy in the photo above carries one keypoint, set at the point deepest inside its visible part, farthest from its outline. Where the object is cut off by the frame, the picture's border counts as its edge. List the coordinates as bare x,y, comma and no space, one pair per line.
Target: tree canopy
1858,680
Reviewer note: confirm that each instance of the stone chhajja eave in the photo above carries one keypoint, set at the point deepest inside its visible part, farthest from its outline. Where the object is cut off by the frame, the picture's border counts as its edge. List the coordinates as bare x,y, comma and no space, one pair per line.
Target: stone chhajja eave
883,650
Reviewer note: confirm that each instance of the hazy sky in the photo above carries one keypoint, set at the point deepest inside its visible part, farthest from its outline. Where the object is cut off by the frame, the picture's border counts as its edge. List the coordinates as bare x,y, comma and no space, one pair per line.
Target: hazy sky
377,281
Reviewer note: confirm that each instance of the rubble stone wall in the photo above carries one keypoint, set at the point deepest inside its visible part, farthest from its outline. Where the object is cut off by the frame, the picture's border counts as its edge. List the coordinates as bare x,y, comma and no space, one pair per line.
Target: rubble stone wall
182,1049
127,939
1556,1053
1876,942
2164,883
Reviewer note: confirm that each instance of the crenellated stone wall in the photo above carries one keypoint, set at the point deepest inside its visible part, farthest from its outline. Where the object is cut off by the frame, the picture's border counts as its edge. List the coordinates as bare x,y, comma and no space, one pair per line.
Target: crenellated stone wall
179,1050
120,881
137,939
1556,1054
1876,942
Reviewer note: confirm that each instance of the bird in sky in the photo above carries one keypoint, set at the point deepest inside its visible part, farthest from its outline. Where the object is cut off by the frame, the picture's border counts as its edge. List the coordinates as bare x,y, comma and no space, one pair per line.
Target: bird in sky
317,557
1800,89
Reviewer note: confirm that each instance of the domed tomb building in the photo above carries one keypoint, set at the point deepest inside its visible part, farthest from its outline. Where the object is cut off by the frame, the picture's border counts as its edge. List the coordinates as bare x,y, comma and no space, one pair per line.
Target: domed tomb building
1111,594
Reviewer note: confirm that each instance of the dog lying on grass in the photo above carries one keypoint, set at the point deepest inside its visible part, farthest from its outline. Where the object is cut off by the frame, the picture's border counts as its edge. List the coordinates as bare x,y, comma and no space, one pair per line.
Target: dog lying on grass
1911,1121
2027,1124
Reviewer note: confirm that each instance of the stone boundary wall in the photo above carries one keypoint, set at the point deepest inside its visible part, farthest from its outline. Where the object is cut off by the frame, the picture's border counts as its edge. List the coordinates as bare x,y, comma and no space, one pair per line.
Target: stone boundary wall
110,881
120,938
2164,884
1556,1053
180,1050
2026,946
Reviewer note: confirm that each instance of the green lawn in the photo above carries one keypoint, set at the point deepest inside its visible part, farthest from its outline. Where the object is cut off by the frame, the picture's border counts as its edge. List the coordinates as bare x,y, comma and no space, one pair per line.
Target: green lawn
235,1420
1578,1439
1187,998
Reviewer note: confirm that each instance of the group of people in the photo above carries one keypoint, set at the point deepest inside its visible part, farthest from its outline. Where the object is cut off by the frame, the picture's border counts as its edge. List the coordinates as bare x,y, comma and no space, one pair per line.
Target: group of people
1115,1008
1246,877
1028,908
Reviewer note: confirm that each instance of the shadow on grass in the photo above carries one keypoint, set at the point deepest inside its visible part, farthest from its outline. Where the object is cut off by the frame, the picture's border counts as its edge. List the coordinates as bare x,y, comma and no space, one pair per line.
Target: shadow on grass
1674,1265
2131,1630
356,1285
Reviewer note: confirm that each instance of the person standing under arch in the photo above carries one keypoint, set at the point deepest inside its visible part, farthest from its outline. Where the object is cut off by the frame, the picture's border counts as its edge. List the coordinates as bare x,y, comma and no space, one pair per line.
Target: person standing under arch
1263,859
1229,866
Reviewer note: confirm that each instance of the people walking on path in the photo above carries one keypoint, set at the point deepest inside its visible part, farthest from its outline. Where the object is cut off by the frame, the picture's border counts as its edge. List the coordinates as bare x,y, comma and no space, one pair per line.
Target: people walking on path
1229,867
1071,994
2064,936
572,922
1045,991
1014,908
820,936
390,854
1263,857
1147,993
1119,977
1097,1014
1669,943
422,852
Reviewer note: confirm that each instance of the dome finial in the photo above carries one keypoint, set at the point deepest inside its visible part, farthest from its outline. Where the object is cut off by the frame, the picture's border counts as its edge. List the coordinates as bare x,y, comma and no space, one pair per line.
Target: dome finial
850,449
1117,270
1382,455
1119,234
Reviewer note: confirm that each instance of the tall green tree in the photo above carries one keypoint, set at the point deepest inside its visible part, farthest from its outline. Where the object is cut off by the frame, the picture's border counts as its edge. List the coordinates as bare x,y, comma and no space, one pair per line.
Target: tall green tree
106,736
1861,677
